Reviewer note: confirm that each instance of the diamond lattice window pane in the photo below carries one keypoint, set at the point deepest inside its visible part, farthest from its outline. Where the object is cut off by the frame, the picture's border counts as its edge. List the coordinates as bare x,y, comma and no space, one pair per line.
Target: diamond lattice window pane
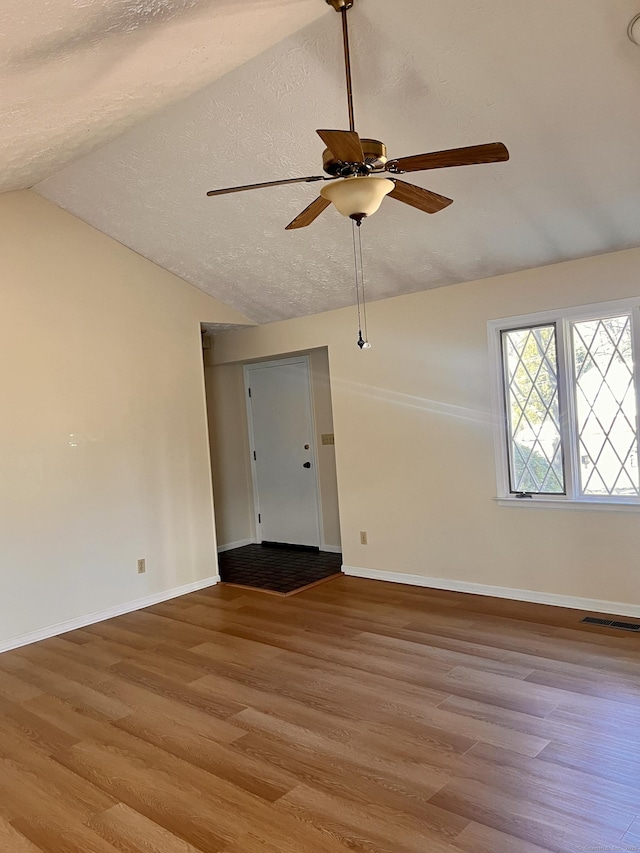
606,407
531,384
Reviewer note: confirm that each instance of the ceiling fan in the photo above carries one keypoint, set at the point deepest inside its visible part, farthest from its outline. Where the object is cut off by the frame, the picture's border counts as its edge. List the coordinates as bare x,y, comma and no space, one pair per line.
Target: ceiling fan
352,164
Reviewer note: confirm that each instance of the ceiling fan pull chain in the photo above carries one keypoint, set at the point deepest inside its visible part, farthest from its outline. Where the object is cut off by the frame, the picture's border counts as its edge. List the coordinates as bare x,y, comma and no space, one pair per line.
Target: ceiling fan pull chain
366,344
347,65
355,264
363,342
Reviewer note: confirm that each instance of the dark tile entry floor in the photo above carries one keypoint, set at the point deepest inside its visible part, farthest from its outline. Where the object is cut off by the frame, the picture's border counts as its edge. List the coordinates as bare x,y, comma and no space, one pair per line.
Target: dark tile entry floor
277,569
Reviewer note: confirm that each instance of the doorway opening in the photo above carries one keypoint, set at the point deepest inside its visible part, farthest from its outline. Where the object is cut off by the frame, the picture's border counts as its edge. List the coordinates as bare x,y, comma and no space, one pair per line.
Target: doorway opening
274,474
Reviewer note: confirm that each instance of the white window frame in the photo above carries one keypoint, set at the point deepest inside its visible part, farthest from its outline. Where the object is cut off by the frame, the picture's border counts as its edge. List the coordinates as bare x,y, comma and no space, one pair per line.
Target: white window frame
562,318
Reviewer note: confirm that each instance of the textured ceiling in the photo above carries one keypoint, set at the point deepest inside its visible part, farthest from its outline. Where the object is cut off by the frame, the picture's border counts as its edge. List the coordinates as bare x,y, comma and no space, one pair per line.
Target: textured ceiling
76,73
556,81
213,329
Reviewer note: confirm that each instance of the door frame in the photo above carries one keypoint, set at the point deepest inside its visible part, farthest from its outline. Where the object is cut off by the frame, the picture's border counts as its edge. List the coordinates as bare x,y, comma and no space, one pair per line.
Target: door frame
277,362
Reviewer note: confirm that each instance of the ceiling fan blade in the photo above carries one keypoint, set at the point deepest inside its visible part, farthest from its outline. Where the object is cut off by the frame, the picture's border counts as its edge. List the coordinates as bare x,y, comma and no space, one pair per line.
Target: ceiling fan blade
494,152
345,145
309,214
308,180
425,200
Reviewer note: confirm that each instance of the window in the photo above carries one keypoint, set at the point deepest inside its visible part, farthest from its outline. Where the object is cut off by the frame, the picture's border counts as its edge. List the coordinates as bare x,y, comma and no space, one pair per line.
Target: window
567,392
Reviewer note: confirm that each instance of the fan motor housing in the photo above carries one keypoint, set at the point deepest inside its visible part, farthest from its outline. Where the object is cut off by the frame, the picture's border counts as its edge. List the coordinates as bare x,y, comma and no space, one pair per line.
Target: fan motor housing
375,159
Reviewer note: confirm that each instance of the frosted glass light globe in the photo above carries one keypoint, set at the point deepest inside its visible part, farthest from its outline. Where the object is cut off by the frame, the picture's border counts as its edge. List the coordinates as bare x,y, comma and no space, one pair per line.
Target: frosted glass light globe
357,196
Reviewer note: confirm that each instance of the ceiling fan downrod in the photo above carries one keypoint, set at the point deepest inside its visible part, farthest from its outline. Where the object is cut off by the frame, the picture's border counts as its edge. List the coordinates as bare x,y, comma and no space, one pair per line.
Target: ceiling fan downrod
343,7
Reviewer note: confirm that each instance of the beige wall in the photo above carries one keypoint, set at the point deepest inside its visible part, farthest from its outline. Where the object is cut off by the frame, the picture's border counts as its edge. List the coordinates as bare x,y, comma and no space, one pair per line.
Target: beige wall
230,452
230,462
323,415
414,437
103,443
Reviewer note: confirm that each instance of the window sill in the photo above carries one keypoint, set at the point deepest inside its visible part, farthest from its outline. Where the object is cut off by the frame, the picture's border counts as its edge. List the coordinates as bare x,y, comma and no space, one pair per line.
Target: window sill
568,504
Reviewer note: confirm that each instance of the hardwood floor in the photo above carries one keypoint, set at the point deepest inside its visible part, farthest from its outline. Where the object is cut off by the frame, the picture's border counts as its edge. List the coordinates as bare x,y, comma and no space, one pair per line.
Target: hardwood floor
356,716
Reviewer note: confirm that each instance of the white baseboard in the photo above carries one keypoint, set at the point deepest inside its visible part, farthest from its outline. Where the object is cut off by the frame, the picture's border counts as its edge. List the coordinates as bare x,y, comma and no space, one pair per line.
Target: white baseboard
331,549
100,615
615,608
231,545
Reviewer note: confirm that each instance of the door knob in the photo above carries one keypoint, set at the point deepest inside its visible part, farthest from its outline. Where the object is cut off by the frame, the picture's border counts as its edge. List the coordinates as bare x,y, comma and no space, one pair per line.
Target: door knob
307,465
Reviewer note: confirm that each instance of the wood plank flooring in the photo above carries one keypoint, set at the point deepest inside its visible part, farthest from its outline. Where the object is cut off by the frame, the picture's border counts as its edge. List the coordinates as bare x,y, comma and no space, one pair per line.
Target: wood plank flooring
356,716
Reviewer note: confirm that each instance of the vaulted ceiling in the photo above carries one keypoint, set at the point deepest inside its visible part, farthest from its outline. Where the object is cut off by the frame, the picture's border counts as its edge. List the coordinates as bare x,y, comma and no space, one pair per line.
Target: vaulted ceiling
77,73
223,93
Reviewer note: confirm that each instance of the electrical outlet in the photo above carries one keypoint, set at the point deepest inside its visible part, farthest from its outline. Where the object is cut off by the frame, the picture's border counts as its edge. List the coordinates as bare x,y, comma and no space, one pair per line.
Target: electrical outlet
142,567
363,537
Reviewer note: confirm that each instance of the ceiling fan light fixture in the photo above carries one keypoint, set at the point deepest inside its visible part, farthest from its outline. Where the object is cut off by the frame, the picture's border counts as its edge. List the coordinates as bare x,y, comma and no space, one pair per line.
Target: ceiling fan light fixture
358,196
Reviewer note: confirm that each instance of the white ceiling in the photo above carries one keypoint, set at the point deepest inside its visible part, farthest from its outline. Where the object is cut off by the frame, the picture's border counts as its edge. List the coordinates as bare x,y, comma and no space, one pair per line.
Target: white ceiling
77,73
556,80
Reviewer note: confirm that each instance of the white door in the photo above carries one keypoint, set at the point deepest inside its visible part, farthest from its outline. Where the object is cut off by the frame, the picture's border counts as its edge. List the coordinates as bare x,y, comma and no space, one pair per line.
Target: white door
283,450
